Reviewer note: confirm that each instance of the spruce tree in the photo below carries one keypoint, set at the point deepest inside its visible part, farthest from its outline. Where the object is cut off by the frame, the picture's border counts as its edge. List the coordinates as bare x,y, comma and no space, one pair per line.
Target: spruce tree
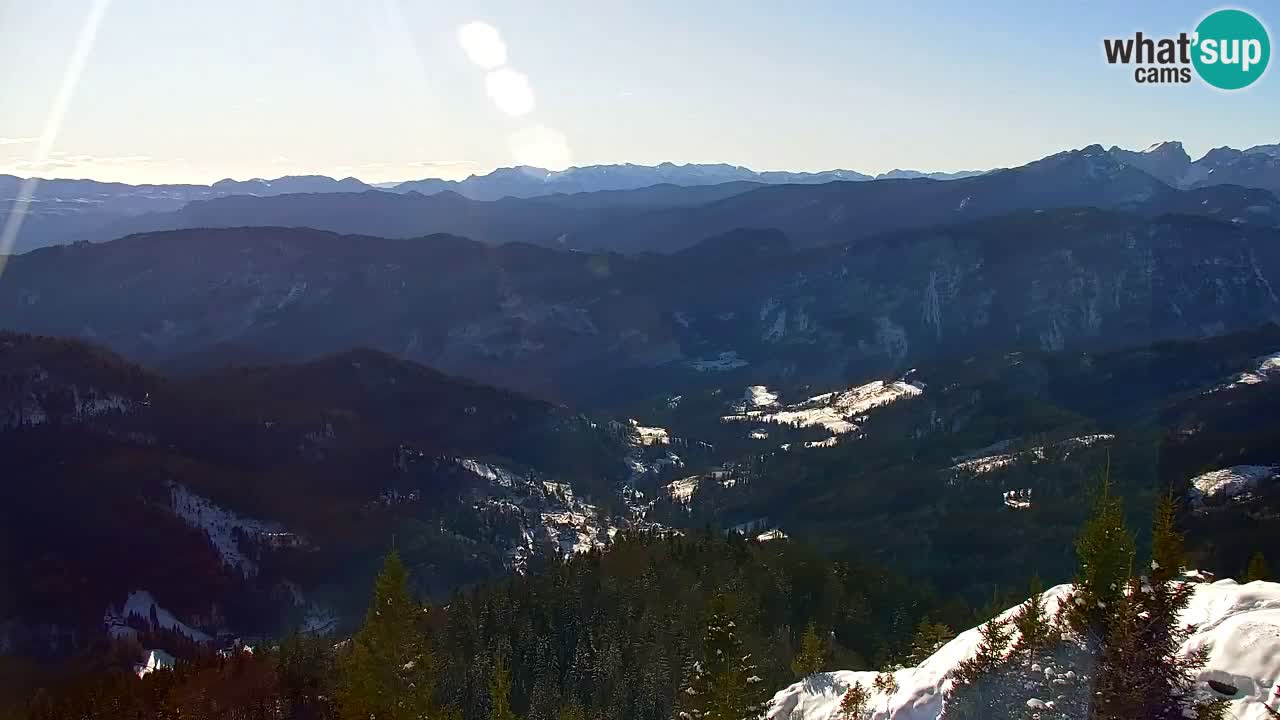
500,692
813,653
1143,673
724,684
855,703
1257,569
1105,553
990,654
928,639
387,672
1037,633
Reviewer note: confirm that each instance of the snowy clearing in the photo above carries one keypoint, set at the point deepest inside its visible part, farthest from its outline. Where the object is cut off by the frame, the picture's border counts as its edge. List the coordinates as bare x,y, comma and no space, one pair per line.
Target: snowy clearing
836,412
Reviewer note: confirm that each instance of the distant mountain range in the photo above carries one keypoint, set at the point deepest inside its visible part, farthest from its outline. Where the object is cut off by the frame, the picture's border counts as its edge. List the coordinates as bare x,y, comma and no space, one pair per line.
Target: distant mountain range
668,218
65,210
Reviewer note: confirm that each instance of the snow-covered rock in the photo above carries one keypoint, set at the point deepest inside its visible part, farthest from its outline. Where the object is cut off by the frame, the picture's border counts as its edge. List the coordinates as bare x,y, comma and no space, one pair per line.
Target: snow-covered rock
1239,623
1229,483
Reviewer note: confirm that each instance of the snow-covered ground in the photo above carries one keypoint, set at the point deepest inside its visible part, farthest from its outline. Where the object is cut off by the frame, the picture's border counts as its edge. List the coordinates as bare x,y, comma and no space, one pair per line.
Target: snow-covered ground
759,396
980,463
222,526
837,412
1239,623
140,602
1230,482
1268,368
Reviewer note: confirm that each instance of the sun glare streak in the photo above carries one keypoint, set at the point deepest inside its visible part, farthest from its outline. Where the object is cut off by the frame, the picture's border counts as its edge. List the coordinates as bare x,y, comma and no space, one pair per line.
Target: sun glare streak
52,125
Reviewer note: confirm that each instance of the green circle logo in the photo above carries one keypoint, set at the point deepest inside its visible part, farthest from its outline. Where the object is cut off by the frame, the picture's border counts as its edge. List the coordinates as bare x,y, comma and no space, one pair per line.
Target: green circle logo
1232,49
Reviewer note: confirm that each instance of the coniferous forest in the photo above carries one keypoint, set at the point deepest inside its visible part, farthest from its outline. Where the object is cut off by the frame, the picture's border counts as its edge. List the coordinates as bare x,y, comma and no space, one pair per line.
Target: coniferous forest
702,626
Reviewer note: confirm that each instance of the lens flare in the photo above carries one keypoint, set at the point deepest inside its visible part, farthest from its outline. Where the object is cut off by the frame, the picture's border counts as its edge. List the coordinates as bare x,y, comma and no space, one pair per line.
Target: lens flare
510,91
483,44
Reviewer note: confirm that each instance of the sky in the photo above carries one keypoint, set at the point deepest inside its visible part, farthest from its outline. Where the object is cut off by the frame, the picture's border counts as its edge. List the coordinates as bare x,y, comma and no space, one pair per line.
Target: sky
386,90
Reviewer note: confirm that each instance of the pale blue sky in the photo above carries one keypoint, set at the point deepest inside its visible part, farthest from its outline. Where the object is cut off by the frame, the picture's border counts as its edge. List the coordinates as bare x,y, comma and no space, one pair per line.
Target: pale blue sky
197,90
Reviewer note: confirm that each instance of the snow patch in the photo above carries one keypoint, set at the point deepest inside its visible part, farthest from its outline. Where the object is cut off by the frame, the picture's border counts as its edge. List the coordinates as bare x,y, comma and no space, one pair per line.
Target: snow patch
682,490
493,473
225,527
833,411
1268,368
139,603
646,436
979,463
759,396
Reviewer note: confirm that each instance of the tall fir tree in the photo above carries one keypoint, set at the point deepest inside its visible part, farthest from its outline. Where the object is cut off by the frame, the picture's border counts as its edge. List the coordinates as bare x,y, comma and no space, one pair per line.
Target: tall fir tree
1143,673
387,673
813,653
1105,553
724,684
500,692
1037,632
991,652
